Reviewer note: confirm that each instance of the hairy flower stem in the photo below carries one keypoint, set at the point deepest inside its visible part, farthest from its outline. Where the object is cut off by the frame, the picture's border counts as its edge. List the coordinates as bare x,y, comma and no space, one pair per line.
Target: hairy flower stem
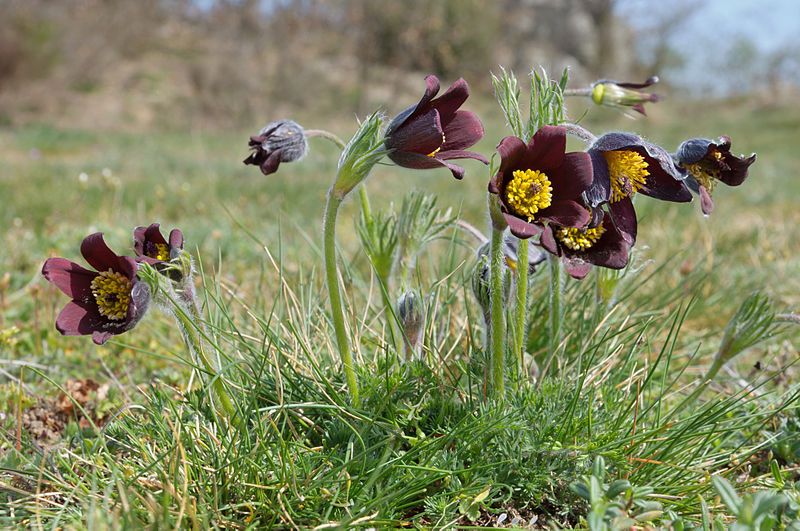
190,324
579,132
334,293
498,314
556,310
521,307
578,92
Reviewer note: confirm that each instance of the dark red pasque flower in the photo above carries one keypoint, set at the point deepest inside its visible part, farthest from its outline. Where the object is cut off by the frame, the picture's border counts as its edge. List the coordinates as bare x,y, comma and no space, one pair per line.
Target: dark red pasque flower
624,165
105,302
151,246
434,131
540,184
281,141
602,244
707,162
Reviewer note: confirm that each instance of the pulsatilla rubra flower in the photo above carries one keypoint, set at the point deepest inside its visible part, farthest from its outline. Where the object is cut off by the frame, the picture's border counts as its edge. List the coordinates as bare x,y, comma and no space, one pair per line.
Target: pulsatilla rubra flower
281,141
602,244
540,184
624,164
434,131
151,246
707,162
622,94
105,302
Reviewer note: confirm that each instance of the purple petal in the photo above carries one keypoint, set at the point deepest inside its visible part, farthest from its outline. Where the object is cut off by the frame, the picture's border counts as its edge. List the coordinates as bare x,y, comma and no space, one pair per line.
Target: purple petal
98,254
548,241
461,154
415,161
738,168
271,163
72,279
576,268
546,148
176,239
463,131
521,228
79,319
573,177
153,234
623,216
566,214
448,103
100,338
511,150
420,134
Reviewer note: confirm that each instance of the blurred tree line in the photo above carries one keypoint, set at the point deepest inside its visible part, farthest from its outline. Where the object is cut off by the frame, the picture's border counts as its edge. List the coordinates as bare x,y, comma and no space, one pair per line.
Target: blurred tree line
238,62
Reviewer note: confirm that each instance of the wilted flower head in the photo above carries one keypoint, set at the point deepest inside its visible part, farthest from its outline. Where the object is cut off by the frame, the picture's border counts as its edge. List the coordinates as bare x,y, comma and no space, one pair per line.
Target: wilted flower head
281,141
707,162
434,131
151,246
602,244
105,302
539,183
622,94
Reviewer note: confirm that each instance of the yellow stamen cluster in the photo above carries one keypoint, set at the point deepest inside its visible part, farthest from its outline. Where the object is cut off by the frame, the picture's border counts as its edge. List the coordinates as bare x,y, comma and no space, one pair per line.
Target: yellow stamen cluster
529,192
705,176
627,171
160,251
580,239
435,151
112,291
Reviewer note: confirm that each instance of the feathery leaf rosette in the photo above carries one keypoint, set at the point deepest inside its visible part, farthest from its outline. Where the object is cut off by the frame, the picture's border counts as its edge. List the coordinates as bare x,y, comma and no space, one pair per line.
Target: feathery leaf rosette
602,244
707,162
622,94
105,302
625,164
539,183
151,246
281,141
432,132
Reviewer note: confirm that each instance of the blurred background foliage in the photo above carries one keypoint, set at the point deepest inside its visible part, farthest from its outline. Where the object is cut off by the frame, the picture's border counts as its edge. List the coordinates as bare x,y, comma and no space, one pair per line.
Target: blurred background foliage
218,63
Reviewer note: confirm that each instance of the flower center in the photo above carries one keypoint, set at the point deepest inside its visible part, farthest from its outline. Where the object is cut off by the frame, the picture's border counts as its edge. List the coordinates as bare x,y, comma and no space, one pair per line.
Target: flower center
112,291
159,251
706,174
435,151
580,239
529,192
627,171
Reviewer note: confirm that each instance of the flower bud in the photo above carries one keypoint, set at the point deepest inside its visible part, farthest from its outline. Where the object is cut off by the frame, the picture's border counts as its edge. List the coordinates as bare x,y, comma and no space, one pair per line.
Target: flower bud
620,94
481,280
360,155
281,141
411,314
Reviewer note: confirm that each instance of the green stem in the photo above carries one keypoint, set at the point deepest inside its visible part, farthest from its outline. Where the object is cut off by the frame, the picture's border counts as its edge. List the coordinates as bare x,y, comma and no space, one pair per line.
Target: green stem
335,295
191,325
327,135
556,311
498,314
521,308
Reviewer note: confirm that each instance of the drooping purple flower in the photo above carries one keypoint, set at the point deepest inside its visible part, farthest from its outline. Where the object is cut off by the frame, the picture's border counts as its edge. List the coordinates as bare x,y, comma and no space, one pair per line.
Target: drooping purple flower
623,94
151,247
625,164
105,302
707,162
434,131
281,141
540,184
602,244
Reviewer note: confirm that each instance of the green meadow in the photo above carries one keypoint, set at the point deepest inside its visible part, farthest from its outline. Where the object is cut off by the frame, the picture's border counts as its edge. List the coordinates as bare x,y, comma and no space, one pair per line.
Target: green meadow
139,445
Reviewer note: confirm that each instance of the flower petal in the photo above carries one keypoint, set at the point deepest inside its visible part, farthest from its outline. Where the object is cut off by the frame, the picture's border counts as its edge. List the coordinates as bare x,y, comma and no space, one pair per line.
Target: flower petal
72,279
421,134
738,168
577,268
415,161
448,103
573,177
98,254
79,319
548,241
511,150
623,215
565,213
460,154
462,131
520,228
270,164
546,148
176,239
